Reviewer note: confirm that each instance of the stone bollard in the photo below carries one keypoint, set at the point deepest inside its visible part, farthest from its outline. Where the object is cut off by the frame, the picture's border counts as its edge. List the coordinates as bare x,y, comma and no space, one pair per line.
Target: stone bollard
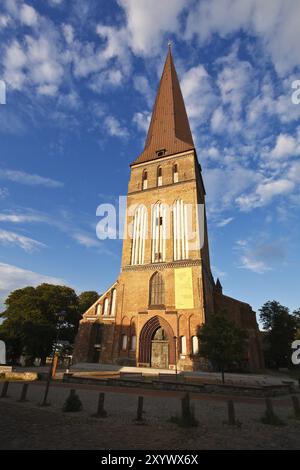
269,407
232,421
296,405
231,413
139,414
101,413
24,393
4,390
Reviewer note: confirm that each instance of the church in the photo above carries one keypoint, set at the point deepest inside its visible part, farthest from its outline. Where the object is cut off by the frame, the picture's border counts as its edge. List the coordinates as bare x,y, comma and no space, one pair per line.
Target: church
151,315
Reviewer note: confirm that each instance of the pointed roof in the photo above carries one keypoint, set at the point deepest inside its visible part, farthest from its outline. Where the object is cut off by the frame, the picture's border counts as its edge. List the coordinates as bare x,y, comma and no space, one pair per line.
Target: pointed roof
169,128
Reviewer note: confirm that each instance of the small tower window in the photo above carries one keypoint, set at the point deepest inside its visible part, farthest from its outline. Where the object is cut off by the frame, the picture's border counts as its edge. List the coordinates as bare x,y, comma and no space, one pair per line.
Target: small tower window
175,173
159,176
124,342
161,152
145,180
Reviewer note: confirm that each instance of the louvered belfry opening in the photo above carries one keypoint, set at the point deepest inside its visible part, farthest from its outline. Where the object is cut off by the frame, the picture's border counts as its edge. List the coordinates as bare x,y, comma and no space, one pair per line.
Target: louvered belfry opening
157,291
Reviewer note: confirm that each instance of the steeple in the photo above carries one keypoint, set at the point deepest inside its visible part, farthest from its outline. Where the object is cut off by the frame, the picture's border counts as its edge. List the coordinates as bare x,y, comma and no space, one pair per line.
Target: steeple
169,131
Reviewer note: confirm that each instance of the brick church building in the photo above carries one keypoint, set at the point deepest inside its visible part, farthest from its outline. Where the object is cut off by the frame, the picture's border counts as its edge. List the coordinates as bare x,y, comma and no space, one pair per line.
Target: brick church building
151,315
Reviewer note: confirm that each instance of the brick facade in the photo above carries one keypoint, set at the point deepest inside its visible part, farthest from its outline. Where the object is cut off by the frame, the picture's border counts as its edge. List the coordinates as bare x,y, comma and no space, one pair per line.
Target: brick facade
120,327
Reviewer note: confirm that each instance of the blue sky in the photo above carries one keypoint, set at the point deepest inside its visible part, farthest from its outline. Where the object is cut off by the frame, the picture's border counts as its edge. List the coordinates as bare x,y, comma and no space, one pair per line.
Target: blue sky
81,79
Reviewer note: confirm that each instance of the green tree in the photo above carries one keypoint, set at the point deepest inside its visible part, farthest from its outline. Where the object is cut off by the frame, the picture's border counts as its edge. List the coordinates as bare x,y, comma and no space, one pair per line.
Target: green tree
281,328
222,342
296,315
30,319
86,299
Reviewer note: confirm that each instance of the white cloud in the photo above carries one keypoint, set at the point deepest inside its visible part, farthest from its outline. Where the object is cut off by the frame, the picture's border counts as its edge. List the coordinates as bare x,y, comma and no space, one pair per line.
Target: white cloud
28,15
114,127
107,78
14,62
218,121
26,243
68,32
36,62
17,218
254,265
221,223
260,255
235,82
264,193
286,146
142,86
224,185
14,277
86,240
198,94
142,120
29,179
273,22
147,23
294,172
4,21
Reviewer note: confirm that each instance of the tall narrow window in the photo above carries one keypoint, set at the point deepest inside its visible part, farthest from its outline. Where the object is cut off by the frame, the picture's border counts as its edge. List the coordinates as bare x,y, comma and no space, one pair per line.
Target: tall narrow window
133,343
175,173
124,342
159,176
105,307
183,345
145,180
139,235
180,231
113,302
98,309
159,227
195,344
156,290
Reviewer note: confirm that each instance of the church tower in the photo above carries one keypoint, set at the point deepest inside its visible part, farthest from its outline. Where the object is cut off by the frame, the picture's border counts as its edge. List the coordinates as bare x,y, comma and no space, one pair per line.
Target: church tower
165,291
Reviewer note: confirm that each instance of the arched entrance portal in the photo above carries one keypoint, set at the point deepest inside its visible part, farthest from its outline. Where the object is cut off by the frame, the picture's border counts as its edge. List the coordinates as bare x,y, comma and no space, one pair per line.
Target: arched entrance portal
156,344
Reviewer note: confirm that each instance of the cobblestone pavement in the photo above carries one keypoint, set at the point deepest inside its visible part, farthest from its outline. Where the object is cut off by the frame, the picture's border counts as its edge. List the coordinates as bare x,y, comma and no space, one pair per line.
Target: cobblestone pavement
28,426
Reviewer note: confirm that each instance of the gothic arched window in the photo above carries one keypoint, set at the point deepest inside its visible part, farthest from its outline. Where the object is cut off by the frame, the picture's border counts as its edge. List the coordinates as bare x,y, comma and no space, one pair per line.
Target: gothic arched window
157,290
180,230
139,235
159,232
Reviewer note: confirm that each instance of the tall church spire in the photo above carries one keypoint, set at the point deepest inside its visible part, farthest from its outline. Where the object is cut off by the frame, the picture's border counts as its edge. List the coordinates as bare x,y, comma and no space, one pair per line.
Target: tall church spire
169,131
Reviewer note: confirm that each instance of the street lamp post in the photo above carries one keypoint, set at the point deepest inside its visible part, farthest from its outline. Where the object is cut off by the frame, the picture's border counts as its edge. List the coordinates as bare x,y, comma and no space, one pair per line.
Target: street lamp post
175,342
60,318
